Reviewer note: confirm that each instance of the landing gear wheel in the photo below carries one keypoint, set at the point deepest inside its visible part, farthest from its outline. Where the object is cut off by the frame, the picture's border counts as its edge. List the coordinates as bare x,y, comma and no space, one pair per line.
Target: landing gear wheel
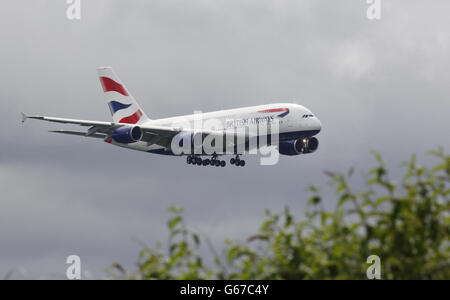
235,161
217,163
223,163
207,161
242,163
199,161
204,162
189,160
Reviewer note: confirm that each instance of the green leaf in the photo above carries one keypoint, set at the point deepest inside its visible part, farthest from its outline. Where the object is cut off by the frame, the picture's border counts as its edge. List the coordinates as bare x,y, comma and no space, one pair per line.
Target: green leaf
196,239
381,200
174,222
315,200
344,198
175,210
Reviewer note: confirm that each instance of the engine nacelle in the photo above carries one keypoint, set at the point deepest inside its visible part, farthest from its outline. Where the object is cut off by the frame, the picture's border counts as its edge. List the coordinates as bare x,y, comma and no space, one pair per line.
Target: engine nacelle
312,144
300,146
127,134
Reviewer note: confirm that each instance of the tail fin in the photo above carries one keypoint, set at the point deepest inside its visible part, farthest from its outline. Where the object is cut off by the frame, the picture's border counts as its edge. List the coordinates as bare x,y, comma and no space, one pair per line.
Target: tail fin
124,108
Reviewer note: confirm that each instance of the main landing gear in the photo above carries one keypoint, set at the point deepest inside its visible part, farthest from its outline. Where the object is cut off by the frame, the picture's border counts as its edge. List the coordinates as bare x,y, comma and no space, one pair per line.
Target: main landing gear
237,161
214,162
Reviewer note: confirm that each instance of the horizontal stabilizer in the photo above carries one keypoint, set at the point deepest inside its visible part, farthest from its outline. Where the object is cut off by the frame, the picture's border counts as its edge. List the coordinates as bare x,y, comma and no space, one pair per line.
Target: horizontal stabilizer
79,133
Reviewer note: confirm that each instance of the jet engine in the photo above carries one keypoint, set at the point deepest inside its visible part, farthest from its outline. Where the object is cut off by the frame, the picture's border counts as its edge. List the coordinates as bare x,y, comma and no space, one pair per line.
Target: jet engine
127,134
299,146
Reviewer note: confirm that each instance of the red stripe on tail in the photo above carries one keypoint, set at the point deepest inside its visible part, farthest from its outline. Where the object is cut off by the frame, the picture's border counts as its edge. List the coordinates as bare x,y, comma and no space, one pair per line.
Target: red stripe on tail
110,85
133,119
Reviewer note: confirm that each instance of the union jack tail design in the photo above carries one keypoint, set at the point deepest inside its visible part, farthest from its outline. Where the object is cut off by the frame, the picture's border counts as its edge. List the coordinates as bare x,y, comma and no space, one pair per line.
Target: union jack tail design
123,107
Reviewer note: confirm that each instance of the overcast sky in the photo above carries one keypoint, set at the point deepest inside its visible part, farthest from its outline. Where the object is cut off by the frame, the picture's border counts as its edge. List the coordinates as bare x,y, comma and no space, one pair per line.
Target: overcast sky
381,85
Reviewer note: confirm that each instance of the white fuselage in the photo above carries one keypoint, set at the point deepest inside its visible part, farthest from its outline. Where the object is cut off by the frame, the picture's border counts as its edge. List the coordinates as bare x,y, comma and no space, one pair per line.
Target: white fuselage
295,121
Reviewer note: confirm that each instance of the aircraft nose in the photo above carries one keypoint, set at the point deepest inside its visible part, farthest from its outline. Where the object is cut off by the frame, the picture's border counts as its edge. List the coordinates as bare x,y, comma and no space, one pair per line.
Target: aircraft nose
317,125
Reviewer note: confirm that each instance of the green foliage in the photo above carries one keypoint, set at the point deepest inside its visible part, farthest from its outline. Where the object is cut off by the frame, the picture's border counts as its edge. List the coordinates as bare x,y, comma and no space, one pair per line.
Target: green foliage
407,224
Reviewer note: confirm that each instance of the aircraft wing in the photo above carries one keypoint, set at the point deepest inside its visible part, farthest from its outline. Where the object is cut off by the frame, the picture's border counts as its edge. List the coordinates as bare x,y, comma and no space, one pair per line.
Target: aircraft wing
152,134
160,135
67,121
79,133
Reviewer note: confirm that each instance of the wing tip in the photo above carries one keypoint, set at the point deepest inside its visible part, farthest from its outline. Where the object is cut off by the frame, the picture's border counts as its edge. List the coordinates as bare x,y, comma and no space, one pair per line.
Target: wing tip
24,117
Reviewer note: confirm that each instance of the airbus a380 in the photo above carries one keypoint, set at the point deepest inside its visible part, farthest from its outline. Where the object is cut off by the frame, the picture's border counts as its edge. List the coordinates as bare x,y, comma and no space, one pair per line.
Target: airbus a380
133,129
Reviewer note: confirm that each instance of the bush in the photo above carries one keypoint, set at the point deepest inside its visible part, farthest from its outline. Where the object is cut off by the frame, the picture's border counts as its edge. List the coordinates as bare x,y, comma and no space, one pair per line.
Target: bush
407,225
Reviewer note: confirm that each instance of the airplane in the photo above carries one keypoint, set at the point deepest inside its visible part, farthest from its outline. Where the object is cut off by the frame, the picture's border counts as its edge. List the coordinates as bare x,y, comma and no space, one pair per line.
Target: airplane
131,128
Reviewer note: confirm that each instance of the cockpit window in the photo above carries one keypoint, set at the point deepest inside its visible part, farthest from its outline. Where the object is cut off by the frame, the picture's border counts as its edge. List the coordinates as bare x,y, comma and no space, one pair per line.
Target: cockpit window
307,116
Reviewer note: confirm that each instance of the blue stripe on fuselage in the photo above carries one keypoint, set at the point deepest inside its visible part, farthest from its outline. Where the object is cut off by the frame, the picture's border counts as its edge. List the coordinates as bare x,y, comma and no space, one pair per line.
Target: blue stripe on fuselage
283,114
